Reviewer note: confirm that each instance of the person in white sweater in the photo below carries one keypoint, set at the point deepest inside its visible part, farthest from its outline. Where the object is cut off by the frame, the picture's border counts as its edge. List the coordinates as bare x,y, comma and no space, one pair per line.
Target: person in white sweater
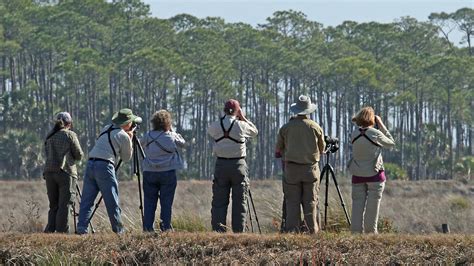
113,144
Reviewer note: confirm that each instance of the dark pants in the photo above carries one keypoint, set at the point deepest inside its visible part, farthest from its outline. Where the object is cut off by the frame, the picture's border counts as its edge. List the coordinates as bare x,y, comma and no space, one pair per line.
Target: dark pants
158,185
229,174
61,193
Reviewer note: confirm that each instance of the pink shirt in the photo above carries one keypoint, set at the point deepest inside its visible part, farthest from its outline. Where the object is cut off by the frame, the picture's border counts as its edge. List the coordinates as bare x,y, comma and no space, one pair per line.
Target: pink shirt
380,177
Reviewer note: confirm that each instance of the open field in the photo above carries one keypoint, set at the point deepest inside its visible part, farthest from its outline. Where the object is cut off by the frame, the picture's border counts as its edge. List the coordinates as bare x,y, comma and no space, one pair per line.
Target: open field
207,248
416,207
407,207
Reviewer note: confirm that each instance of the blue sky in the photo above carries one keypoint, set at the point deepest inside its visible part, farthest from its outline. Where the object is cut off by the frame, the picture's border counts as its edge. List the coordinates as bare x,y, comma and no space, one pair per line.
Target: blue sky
327,12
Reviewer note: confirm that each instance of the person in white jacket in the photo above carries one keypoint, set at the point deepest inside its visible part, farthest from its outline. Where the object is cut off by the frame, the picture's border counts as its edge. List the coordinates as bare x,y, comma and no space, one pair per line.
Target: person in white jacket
230,134
159,169
366,167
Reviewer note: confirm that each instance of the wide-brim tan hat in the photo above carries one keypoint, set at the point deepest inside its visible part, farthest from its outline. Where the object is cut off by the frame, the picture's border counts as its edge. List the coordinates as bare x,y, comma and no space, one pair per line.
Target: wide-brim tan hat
303,106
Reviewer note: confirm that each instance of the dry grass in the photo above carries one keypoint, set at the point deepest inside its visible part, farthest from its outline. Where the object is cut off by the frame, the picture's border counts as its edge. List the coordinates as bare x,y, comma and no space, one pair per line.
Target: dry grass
416,207
410,207
213,248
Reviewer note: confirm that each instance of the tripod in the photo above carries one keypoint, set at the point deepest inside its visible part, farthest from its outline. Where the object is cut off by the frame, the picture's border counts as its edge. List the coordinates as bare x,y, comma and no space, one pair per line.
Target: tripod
137,148
249,213
328,169
75,214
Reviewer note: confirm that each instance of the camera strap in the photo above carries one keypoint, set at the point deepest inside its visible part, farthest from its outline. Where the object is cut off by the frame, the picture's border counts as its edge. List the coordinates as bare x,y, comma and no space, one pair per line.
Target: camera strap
227,132
108,131
362,134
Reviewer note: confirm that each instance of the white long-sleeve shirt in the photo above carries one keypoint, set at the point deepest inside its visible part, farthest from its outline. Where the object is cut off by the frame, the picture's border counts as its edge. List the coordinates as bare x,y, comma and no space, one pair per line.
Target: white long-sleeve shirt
122,145
227,148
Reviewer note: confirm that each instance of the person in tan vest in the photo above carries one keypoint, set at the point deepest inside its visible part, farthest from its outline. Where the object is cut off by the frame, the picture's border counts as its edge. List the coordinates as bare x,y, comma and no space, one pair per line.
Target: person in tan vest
300,142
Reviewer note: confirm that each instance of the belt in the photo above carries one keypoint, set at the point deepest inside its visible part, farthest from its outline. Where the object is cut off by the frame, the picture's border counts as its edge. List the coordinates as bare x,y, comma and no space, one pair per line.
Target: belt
236,158
100,159
301,163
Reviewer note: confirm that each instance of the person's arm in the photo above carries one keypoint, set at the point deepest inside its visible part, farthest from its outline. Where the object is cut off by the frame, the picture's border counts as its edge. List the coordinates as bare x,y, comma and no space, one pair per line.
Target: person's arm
280,145
320,138
213,131
383,137
248,128
179,140
126,148
76,150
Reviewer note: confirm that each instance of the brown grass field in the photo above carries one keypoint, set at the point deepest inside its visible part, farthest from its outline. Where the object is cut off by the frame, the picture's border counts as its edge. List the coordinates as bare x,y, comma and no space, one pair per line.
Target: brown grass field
412,214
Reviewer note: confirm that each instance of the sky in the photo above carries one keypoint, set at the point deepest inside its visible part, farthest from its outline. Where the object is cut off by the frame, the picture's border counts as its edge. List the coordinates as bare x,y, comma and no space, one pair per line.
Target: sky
327,12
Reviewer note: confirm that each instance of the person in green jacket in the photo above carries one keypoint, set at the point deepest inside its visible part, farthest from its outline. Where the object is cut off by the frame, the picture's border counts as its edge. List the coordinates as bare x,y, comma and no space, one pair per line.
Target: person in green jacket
62,150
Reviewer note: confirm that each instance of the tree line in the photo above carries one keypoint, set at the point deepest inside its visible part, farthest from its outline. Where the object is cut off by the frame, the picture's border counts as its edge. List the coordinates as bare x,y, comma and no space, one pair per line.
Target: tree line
93,57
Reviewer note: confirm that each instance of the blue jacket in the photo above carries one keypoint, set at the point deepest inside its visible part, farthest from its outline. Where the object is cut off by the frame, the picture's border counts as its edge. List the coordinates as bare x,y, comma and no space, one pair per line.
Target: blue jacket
161,150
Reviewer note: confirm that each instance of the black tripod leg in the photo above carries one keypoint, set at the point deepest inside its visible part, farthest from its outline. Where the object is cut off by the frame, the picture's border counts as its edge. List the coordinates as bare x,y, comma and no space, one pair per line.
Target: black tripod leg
249,212
340,195
95,209
136,165
255,212
74,213
325,174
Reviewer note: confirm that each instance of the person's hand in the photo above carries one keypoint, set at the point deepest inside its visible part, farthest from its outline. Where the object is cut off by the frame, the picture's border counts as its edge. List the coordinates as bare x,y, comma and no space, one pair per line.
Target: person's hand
241,115
378,121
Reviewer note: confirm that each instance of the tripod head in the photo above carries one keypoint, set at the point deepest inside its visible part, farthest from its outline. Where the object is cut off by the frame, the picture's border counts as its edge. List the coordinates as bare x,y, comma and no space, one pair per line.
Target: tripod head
332,144
137,146
136,124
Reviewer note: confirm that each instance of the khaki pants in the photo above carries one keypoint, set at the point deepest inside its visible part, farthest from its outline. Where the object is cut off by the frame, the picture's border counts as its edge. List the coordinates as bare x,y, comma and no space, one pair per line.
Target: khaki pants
366,199
301,187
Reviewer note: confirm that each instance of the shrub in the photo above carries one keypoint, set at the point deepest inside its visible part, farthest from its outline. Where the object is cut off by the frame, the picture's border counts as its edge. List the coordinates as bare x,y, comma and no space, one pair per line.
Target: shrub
189,223
395,172
20,155
464,166
385,225
459,203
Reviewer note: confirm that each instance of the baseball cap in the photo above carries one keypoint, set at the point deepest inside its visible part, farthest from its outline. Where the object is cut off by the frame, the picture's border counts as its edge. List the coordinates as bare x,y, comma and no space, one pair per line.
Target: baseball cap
65,117
231,105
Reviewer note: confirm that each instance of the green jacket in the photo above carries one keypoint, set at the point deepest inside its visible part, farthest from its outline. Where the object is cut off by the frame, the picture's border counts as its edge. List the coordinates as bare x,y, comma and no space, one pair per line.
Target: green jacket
62,151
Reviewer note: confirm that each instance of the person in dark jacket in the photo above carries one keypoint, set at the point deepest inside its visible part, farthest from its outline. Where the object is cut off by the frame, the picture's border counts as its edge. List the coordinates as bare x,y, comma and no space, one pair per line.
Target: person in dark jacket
62,152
